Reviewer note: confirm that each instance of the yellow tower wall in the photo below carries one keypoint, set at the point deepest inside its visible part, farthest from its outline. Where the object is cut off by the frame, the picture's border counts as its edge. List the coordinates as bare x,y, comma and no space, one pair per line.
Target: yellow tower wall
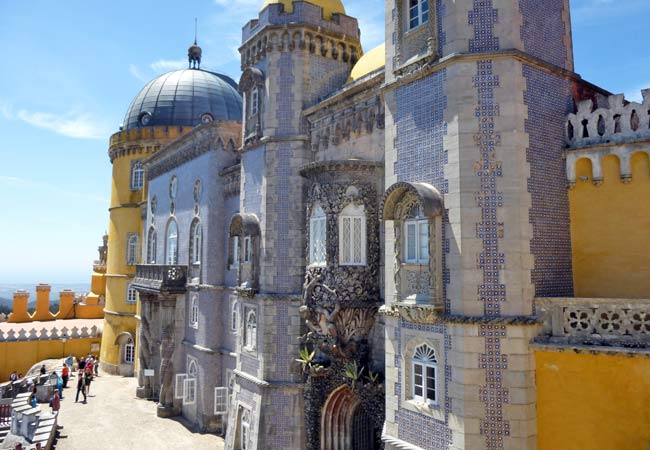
609,227
125,217
595,402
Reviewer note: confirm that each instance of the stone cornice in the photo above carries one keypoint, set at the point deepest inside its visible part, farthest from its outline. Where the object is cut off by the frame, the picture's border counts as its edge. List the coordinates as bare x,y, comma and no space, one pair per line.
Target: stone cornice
272,139
361,86
357,165
430,315
544,344
424,67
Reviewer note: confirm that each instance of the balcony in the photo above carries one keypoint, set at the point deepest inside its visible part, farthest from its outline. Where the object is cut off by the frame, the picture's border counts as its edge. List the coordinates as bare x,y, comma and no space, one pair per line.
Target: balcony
160,279
595,321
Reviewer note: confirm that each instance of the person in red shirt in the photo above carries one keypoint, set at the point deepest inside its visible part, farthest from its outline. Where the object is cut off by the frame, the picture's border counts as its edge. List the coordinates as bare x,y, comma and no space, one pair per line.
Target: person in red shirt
55,402
65,375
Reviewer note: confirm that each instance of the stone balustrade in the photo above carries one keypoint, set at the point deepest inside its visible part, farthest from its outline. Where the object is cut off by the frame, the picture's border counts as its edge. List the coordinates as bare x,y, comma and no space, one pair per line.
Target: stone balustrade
620,121
54,333
595,321
155,278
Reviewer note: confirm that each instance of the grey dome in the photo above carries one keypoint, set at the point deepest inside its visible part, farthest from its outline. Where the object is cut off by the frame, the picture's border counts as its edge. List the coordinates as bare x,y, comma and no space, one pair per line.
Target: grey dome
182,97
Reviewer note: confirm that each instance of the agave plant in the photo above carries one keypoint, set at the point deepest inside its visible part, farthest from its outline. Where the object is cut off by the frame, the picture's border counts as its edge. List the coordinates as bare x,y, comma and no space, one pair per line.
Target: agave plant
351,371
306,357
372,376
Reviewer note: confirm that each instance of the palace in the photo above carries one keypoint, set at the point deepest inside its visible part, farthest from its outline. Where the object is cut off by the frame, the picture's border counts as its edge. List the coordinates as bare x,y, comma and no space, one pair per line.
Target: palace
439,243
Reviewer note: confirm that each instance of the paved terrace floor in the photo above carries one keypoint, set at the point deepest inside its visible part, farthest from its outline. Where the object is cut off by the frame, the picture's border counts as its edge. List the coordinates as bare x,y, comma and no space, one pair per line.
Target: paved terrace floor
114,419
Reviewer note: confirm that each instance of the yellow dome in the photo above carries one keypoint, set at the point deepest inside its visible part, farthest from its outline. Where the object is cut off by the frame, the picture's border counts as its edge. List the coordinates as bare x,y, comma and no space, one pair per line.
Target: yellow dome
369,62
329,6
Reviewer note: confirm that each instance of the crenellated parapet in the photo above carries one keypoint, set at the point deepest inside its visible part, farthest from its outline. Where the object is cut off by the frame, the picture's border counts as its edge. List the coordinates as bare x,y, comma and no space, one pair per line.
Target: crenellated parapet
620,121
53,333
303,29
143,141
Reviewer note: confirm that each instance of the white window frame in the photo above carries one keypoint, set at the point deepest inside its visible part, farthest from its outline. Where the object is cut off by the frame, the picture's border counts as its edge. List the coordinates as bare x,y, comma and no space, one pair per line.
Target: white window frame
194,312
234,316
131,294
420,13
244,428
349,217
179,385
152,241
129,352
189,387
419,257
197,239
171,243
192,368
235,251
137,176
318,237
250,330
132,249
248,250
221,401
425,363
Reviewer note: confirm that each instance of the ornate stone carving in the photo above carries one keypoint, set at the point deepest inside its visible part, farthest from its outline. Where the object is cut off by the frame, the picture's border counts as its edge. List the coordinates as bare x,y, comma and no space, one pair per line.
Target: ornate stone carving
166,366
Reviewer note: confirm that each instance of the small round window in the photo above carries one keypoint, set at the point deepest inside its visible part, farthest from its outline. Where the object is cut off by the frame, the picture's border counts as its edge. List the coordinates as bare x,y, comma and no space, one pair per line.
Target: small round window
206,118
145,119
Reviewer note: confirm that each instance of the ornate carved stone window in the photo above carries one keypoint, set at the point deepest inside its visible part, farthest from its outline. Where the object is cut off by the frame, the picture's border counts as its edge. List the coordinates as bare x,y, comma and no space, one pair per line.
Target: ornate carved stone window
250,330
352,236
246,228
171,243
318,237
416,32
416,210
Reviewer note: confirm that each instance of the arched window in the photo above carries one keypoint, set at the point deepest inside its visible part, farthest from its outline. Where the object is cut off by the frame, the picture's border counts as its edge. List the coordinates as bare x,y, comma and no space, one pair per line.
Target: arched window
132,249
255,101
318,237
234,316
250,334
194,312
352,236
416,238
137,176
129,352
425,374
196,235
171,244
151,246
245,430
192,369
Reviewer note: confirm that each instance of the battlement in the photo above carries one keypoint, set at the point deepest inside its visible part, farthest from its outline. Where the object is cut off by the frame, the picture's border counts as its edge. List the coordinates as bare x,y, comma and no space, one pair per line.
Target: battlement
71,306
53,333
620,121
301,13
131,141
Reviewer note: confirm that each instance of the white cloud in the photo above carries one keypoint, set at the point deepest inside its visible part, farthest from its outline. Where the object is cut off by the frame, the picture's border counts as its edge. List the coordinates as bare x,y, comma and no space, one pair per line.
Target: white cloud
24,183
6,110
73,125
135,71
166,65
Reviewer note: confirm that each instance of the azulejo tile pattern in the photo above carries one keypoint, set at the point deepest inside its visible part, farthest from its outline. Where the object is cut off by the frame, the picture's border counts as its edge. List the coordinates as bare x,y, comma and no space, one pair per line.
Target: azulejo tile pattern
549,99
493,394
482,18
543,30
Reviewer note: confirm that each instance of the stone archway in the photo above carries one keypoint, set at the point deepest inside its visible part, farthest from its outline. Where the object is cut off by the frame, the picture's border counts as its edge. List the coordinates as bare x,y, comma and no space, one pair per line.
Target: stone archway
344,423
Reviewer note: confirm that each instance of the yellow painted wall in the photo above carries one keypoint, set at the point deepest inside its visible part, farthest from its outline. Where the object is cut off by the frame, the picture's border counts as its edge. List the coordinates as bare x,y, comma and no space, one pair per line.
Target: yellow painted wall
22,355
610,225
592,402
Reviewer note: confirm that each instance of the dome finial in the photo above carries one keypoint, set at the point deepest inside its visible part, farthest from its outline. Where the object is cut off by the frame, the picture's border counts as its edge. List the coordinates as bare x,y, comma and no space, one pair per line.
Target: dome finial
194,52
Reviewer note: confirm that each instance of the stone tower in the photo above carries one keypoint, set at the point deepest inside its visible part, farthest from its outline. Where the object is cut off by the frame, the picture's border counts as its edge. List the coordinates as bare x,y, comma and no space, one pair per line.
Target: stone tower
293,54
475,95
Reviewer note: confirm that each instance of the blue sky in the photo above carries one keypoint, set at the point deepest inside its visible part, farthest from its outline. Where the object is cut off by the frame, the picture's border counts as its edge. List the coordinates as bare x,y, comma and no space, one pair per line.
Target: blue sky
72,68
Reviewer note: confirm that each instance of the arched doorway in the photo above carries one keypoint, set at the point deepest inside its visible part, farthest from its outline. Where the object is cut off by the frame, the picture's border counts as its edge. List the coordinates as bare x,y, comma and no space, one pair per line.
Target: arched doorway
344,423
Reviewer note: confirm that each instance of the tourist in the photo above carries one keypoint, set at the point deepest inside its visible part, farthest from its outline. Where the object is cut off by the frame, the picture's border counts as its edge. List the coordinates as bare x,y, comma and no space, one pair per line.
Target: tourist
13,377
55,403
82,363
59,384
18,446
65,374
43,369
97,366
20,375
38,446
81,386
89,363
69,361
33,401
88,377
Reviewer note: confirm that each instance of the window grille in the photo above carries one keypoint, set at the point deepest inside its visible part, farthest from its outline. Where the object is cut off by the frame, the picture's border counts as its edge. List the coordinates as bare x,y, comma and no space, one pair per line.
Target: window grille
129,353
179,385
352,236
318,237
